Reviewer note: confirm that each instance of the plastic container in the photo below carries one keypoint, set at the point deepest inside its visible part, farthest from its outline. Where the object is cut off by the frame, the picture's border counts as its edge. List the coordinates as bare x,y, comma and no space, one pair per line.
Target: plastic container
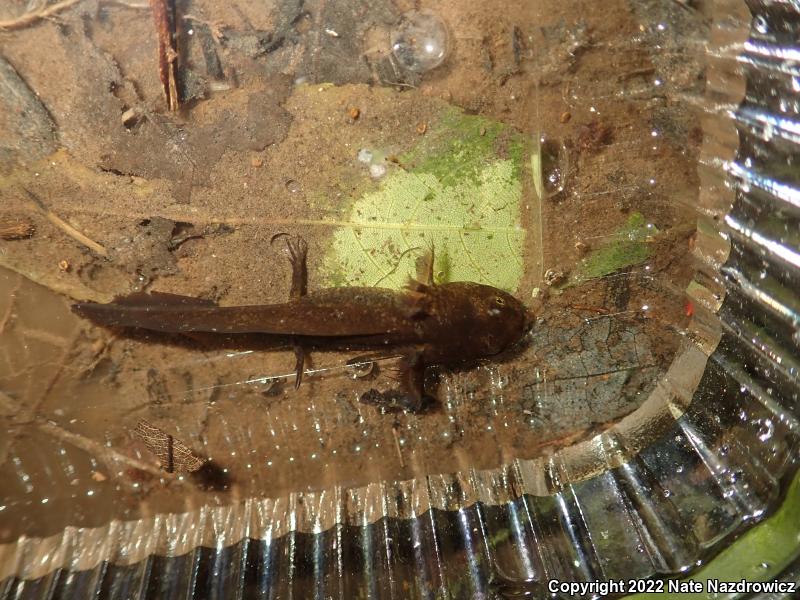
647,153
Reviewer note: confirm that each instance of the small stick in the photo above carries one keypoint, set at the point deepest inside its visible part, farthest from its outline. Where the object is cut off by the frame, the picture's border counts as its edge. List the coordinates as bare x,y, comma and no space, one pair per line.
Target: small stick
66,227
9,311
107,455
32,17
133,5
170,454
167,50
397,446
593,309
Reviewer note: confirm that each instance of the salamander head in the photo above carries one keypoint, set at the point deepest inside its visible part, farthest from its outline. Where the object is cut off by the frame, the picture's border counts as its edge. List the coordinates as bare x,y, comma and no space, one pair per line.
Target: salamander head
506,319
485,319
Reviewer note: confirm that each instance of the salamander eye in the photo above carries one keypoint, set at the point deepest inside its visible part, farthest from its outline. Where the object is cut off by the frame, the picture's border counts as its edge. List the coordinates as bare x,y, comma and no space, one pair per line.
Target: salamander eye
499,301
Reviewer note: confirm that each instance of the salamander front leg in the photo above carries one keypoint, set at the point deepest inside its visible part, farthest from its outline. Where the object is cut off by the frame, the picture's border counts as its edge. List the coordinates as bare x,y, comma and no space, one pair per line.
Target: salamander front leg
410,394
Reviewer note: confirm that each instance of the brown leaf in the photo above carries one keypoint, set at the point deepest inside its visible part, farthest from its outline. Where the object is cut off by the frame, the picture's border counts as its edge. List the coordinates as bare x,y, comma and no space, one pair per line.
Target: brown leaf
173,454
16,227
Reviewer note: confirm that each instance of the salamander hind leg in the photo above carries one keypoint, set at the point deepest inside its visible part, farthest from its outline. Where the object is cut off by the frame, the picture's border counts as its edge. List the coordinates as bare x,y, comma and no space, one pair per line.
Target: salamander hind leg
297,249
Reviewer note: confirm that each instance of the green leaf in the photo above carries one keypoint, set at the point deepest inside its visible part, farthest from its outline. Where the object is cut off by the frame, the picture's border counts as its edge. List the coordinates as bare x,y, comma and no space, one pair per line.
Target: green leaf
627,247
459,191
761,554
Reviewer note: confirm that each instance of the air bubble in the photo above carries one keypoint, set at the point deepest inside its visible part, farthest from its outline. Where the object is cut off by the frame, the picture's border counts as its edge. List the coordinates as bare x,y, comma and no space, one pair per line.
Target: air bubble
377,171
555,165
766,431
361,370
269,385
365,156
419,43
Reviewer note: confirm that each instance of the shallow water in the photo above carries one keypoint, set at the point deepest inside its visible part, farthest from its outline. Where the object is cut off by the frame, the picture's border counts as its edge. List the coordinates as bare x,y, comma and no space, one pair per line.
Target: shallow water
551,153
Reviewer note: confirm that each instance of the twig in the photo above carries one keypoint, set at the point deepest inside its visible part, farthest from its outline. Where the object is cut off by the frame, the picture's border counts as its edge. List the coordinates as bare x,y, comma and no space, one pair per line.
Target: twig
594,309
66,227
134,5
167,51
10,309
215,27
397,447
400,84
32,17
685,4
107,455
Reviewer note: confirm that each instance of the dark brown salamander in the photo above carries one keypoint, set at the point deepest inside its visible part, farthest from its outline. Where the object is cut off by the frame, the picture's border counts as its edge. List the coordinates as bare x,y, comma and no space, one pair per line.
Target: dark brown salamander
425,324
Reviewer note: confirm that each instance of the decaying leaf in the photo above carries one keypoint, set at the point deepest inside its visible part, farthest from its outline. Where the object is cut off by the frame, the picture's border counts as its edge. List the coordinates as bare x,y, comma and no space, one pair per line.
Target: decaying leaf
16,227
173,454
628,246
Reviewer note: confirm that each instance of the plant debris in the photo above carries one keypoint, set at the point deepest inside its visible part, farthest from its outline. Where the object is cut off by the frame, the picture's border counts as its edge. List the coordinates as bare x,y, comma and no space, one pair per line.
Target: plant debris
593,136
173,454
66,227
554,276
164,17
16,228
29,18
